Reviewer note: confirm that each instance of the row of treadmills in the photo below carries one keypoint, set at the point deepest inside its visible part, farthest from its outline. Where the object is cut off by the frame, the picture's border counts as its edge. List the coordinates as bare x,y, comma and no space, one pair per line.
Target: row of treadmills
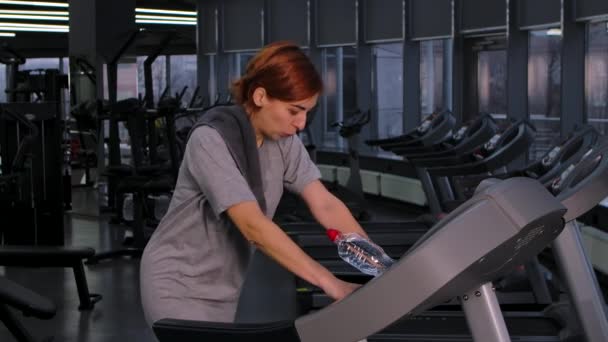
473,274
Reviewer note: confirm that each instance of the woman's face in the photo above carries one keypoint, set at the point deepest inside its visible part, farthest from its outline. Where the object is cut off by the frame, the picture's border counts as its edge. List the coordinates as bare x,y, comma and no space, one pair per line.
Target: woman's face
277,119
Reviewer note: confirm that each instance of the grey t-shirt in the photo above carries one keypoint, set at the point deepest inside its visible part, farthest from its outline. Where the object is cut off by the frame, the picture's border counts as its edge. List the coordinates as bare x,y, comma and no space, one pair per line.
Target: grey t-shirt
194,265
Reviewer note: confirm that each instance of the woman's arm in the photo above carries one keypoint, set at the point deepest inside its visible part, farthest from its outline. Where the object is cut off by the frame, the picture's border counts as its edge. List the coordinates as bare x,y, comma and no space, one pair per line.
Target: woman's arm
329,210
273,241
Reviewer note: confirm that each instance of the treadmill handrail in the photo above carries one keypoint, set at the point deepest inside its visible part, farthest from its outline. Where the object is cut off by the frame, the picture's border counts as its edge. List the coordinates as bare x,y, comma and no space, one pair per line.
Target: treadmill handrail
437,133
465,156
586,184
413,134
501,156
474,138
571,149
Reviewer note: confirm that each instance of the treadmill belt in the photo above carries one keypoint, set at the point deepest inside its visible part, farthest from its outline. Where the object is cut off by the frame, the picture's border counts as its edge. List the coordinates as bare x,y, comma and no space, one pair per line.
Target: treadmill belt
452,326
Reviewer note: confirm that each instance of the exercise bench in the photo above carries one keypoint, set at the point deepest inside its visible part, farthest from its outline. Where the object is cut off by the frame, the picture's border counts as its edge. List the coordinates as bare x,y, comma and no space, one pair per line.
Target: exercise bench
54,256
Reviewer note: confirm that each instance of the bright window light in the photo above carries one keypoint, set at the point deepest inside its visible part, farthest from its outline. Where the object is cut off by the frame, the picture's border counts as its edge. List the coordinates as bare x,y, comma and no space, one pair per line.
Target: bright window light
33,17
7,34
162,11
35,3
162,17
63,13
165,22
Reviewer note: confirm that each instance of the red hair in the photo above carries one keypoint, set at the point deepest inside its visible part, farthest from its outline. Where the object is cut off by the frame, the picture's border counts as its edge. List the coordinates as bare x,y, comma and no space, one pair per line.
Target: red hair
283,70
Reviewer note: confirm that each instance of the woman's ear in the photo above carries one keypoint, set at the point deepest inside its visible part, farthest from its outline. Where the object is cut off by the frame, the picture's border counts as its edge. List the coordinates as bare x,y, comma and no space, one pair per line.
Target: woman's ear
259,96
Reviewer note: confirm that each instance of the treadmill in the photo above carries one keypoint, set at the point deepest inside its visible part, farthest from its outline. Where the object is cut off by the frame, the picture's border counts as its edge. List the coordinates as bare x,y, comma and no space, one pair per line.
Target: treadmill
433,129
506,223
397,237
495,155
581,185
470,135
464,178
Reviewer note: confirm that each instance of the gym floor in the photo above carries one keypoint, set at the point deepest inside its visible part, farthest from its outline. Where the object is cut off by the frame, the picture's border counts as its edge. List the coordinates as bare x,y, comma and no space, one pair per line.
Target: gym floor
118,316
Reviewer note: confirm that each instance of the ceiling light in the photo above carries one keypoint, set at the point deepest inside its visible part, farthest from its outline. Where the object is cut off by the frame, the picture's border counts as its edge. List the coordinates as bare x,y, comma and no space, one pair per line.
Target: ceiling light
33,25
7,34
32,29
166,22
554,32
162,11
162,17
64,13
34,3
33,17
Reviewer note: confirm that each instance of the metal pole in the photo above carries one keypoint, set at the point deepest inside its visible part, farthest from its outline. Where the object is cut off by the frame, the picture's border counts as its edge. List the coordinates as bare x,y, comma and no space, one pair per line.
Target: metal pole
582,284
483,314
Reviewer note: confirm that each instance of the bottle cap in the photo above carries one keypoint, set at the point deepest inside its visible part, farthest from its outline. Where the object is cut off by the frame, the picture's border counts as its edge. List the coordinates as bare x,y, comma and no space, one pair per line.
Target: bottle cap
333,234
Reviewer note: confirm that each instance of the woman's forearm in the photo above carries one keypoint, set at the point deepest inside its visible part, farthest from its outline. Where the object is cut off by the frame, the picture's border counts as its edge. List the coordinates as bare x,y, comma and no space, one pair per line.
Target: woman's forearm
274,242
333,213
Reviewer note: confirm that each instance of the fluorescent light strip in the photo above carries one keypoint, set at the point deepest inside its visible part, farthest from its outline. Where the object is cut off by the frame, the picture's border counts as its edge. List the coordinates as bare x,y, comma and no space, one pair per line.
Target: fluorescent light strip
33,17
166,22
7,34
33,25
34,3
162,17
63,13
162,11
31,29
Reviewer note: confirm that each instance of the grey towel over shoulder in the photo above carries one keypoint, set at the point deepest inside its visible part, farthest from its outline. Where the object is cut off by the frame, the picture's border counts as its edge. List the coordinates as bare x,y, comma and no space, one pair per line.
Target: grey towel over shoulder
234,126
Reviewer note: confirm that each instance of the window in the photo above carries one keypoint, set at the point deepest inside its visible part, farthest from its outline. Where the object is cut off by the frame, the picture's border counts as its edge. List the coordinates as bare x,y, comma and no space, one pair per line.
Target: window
127,78
238,64
2,82
431,77
233,67
65,65
40,63
244,58
126,82
159,77
596,78
492,82
388,88
330,81
183,73
126,87
339,72
236,68
544,87
213,77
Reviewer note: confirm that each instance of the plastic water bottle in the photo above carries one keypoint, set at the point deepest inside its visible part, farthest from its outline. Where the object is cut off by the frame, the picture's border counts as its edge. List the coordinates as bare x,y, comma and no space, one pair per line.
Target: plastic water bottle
360,252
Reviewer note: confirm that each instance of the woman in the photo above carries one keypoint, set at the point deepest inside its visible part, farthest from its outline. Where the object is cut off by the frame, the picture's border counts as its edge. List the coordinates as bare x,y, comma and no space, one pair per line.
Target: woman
237,161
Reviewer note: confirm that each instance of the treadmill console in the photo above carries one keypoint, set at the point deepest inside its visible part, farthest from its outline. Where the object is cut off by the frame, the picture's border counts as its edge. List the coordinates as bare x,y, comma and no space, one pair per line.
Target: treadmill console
556,184
549,159
459,134
425,125
491,144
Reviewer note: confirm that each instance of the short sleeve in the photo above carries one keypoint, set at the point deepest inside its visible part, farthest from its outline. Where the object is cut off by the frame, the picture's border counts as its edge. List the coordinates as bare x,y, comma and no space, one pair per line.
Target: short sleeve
299,168
214,171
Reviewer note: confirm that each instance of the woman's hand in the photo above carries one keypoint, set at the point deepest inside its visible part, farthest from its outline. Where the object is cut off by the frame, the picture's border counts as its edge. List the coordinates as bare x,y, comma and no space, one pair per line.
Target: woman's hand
338,289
